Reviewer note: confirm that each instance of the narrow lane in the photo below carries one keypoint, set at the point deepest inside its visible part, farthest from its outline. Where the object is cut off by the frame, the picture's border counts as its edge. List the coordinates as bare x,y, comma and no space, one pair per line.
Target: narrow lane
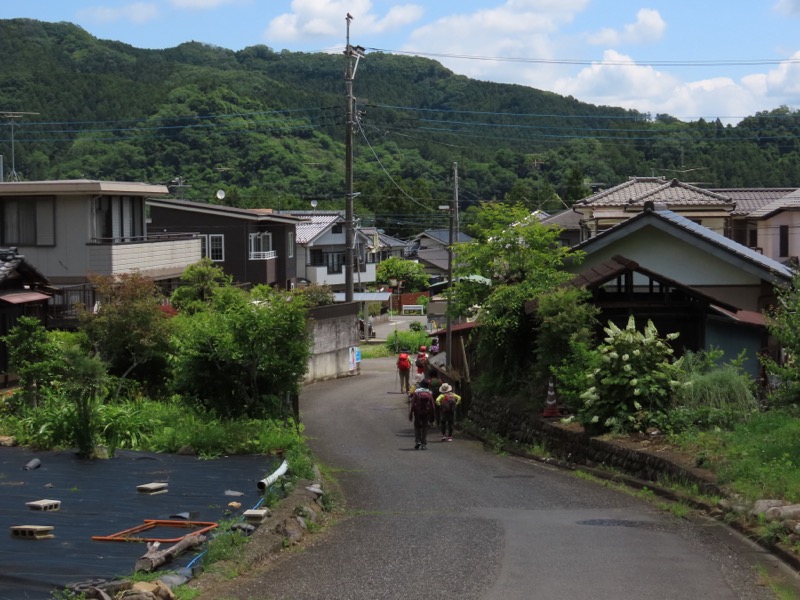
456,521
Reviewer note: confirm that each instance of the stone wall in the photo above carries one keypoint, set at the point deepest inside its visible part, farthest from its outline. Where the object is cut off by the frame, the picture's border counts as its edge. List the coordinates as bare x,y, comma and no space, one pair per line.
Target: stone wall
526,428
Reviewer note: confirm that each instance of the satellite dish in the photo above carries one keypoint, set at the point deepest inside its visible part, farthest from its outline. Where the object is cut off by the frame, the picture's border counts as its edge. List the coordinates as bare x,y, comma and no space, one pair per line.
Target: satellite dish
313,204
220,194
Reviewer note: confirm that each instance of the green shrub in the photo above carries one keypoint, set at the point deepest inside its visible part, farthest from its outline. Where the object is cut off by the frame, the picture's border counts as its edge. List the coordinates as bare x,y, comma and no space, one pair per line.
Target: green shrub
631,388
711,395
407,340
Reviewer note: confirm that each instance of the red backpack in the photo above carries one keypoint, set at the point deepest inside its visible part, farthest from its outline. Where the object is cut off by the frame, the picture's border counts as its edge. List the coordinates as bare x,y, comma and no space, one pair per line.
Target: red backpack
403,363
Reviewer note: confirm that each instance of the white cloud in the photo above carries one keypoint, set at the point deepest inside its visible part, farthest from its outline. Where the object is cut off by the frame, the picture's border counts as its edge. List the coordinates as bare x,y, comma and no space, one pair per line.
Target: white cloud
788,7
138,12
781,82
523,29
629,85
325,18
648,28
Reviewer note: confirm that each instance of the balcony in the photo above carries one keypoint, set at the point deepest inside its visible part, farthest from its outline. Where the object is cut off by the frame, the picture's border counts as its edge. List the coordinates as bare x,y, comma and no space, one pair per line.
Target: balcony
157,256
263,255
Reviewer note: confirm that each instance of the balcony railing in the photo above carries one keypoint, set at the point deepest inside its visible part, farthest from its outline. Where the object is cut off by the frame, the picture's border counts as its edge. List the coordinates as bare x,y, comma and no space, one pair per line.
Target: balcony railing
264,255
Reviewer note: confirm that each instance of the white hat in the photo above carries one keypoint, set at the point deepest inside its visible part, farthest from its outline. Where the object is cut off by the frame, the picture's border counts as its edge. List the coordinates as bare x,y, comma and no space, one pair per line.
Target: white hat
445,388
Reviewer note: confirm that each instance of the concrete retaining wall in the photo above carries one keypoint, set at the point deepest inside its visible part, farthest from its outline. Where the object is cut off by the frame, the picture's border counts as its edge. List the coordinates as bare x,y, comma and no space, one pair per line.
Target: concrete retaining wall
334,331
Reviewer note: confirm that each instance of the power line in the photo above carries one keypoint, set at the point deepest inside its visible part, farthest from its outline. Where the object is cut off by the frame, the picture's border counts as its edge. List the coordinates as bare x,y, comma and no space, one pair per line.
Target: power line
589,62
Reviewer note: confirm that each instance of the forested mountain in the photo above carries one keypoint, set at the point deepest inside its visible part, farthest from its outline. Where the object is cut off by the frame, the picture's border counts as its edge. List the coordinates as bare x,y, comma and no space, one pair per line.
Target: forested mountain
268,128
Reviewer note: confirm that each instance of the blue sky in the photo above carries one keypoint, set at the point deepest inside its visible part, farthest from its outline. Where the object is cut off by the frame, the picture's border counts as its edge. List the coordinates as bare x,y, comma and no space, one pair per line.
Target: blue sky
707,58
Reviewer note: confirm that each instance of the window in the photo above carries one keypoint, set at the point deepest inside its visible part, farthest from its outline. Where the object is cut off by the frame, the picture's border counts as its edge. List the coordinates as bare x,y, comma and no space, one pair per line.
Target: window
216,247
118,219
752,238
783,241
290,245
337,228
27,221
261,246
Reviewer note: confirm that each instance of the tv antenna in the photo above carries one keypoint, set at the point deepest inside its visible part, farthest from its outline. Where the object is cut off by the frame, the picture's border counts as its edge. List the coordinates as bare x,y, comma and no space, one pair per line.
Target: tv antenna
220,194
11,115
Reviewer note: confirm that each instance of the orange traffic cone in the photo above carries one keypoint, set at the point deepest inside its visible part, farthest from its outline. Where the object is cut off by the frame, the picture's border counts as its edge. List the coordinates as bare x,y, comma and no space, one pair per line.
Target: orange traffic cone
551,408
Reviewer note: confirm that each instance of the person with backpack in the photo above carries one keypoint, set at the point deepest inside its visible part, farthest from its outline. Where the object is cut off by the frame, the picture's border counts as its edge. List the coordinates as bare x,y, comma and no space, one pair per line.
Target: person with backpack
421,412
447,401
422,360
404,371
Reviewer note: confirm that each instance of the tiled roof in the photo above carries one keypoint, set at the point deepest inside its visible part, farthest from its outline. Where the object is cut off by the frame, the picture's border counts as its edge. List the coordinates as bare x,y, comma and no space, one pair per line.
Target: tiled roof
638,190
316,224
749,199
790,200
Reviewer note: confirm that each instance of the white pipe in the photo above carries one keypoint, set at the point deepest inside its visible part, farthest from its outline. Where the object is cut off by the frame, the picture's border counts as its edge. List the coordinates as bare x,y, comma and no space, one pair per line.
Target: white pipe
268,481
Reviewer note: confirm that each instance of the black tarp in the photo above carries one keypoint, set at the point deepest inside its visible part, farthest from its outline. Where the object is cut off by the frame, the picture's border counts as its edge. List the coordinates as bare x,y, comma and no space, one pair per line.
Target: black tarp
100,497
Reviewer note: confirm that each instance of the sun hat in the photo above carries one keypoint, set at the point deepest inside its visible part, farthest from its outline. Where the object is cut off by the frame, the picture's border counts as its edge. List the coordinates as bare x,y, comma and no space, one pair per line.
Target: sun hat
445,388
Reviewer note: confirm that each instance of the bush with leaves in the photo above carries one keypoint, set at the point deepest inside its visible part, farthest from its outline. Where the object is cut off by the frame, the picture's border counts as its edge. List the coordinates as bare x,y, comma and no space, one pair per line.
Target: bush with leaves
711,393
632,387
783,323
244,354
565,329
316,295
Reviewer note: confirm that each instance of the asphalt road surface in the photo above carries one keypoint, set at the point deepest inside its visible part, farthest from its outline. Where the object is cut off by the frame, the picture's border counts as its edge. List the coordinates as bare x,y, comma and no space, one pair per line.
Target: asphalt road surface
458,521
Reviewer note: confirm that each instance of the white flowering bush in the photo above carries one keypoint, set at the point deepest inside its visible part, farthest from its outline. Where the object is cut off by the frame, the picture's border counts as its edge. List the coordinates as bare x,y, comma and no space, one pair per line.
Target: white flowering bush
631,388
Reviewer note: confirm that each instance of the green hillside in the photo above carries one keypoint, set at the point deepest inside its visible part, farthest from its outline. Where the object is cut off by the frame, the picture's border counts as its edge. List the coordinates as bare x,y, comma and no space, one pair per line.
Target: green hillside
268,127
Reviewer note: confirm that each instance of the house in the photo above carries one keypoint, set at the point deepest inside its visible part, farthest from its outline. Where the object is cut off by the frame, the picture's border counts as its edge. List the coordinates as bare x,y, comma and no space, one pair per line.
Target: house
252,245
430,249
621,287
72,229
321,251
749,200
774,228
381,246
569,222
24,291
610,207
672,252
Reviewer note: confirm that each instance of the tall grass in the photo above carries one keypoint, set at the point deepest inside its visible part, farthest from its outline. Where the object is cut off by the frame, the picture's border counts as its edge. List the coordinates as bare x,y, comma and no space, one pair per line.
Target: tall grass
711,394
757,459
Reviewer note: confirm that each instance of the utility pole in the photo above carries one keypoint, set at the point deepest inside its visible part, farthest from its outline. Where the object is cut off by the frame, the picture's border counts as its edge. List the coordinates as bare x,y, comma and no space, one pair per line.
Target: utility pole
452,241
11,115
350,52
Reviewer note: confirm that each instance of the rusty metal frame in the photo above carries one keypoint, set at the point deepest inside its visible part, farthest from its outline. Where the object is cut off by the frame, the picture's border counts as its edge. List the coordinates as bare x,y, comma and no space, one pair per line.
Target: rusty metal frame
127,535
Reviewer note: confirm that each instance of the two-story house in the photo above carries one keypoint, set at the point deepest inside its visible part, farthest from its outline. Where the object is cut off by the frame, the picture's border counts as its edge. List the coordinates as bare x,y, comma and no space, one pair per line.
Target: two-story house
321,251
603,210
253,245
71,229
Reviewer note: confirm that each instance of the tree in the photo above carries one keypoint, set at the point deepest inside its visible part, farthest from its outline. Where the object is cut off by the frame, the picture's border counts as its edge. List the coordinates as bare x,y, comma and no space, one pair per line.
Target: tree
783,323
31,355
410,272
128,329
513,264
199,282
244,354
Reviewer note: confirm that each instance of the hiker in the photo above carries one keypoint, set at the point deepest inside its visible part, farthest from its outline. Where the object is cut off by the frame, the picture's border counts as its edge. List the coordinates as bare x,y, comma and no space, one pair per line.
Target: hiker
421,412
434,347
404,370
422,360
447,401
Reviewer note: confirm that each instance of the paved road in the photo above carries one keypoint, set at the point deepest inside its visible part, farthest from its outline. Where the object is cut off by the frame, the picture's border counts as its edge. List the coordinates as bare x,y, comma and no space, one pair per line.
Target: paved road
456,521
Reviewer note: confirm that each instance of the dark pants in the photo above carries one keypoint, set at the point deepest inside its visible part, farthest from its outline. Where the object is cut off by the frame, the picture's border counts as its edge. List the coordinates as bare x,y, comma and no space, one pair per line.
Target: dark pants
447,419
420,431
